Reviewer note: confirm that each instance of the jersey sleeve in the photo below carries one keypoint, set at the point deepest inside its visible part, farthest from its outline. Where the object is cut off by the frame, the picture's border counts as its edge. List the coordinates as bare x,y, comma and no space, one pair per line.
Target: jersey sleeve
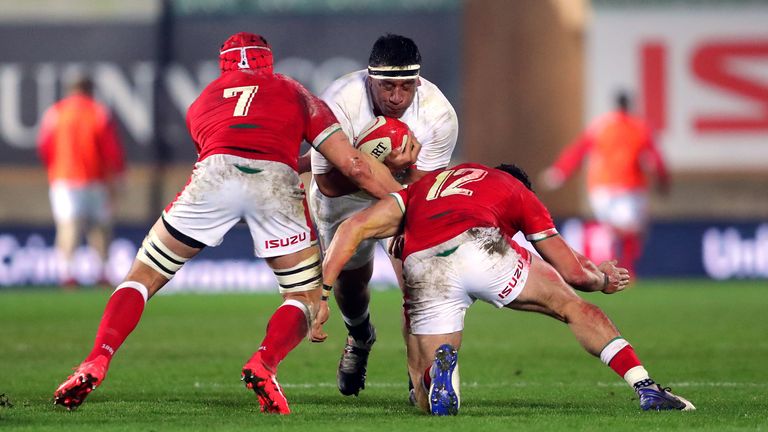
320,121
401,197
45,136
111,147
320,164
535,221
438,143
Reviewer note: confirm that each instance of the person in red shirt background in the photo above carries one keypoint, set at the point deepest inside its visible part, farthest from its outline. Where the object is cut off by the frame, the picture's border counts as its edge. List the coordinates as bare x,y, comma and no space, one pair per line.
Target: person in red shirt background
81,150
247,126
458,248
622,160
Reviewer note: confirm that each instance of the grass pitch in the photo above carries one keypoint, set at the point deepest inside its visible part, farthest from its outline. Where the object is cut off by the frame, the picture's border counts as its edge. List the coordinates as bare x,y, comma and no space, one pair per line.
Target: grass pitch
180,369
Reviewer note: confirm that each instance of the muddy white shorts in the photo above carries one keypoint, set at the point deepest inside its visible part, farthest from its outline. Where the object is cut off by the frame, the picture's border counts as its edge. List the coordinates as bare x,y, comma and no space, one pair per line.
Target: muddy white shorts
443,281
88,202
225,189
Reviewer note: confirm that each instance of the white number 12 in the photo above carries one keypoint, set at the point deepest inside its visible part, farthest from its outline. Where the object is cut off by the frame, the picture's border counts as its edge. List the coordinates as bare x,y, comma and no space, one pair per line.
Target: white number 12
466,175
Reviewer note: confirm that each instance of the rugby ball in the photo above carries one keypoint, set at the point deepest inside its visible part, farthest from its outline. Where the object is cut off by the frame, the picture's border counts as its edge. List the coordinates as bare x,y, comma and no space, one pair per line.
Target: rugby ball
381,136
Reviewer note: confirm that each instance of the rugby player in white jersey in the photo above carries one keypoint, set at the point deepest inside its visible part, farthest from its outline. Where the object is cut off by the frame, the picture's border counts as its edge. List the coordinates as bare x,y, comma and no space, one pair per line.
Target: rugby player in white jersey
391,86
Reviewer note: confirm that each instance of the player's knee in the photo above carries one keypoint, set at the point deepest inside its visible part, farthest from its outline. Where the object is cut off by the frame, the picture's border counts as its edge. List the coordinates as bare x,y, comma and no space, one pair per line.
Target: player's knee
155,254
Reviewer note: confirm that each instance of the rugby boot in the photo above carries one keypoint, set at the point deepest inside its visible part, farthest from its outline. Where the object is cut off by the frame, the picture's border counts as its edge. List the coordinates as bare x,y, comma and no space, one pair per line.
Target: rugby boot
656,398
72,392
444,386
352,367
263,382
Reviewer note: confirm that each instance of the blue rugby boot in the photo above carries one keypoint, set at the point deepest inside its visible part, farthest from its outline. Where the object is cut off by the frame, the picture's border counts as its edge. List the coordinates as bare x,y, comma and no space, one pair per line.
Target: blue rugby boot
444,388
657,398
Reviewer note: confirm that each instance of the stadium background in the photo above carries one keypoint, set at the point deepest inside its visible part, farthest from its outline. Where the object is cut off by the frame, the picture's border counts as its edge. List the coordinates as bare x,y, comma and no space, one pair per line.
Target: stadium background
524,77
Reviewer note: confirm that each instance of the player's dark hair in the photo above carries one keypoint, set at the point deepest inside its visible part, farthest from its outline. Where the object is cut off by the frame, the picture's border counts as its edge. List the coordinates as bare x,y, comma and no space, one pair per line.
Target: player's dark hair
516,172
394,50
82,84
623,101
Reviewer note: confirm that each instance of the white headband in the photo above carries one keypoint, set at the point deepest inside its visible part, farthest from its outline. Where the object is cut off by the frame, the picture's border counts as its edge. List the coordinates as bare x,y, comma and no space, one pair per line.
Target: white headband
394,72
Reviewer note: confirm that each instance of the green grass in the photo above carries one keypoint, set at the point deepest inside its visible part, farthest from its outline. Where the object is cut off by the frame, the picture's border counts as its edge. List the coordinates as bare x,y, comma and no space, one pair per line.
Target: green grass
180,368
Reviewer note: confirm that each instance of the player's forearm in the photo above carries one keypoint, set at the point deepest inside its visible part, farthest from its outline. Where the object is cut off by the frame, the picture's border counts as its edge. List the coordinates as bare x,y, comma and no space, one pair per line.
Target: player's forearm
371,176
362,169
341,249
573,267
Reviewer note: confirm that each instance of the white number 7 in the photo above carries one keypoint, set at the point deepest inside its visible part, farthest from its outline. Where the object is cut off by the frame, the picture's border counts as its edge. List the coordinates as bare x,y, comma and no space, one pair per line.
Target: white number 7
244,101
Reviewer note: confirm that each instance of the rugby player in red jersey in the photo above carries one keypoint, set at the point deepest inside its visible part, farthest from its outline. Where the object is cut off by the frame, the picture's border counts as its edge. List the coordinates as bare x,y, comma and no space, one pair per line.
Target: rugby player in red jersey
247,126
458,247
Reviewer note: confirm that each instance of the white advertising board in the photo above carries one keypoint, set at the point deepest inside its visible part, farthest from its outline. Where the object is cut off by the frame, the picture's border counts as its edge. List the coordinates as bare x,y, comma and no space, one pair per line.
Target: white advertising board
699,74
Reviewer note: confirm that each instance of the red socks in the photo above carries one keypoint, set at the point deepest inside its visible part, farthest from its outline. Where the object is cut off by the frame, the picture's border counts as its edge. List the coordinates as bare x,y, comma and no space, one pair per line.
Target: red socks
624,360
120,317
426,378
285,330
619,355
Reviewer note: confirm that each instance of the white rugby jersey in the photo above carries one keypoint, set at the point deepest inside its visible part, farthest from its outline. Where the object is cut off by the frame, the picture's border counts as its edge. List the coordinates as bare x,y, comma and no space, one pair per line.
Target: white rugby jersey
431,118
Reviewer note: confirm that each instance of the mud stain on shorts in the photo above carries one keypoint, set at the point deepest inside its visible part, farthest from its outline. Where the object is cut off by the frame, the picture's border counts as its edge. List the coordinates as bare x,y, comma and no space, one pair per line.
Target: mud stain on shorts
431,281
490,240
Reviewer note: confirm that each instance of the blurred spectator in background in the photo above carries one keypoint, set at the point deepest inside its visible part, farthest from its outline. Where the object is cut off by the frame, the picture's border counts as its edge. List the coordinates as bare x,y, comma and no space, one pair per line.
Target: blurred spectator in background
81,150
622,157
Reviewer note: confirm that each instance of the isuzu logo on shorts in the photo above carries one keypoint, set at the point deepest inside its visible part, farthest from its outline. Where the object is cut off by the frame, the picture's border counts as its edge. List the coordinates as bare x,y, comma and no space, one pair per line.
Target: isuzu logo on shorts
283,242
516,275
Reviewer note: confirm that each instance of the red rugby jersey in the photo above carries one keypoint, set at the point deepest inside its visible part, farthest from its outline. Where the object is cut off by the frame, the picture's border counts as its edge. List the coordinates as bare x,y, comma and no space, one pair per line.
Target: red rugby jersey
444,204
258,115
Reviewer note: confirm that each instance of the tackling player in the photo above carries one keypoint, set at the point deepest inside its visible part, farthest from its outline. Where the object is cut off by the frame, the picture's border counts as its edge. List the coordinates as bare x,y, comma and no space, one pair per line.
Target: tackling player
392,87
247,126
458,248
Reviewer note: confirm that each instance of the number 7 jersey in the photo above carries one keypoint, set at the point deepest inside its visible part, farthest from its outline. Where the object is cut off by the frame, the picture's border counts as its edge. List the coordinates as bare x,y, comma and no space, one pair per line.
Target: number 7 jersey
260,116
444,204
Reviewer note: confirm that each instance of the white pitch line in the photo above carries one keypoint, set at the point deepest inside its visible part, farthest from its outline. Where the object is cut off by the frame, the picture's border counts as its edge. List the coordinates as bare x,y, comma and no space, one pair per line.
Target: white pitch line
516,384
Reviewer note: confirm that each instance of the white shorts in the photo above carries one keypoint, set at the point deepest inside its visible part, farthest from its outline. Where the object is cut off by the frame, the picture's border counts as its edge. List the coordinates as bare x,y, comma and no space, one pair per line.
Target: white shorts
88,202
328,213
225,189
626,210
443,281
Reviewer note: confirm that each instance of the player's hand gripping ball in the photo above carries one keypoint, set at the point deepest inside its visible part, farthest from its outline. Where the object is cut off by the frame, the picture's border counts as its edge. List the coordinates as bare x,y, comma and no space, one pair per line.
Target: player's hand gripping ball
381,136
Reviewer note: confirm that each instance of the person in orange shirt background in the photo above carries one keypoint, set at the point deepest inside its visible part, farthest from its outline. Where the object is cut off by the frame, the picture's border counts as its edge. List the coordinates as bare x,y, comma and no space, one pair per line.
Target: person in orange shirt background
622,160
81,150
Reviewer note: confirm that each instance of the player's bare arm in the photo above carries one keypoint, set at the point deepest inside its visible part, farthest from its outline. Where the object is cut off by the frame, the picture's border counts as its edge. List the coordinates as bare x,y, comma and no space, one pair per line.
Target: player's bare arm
378,221
362,169
607,277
